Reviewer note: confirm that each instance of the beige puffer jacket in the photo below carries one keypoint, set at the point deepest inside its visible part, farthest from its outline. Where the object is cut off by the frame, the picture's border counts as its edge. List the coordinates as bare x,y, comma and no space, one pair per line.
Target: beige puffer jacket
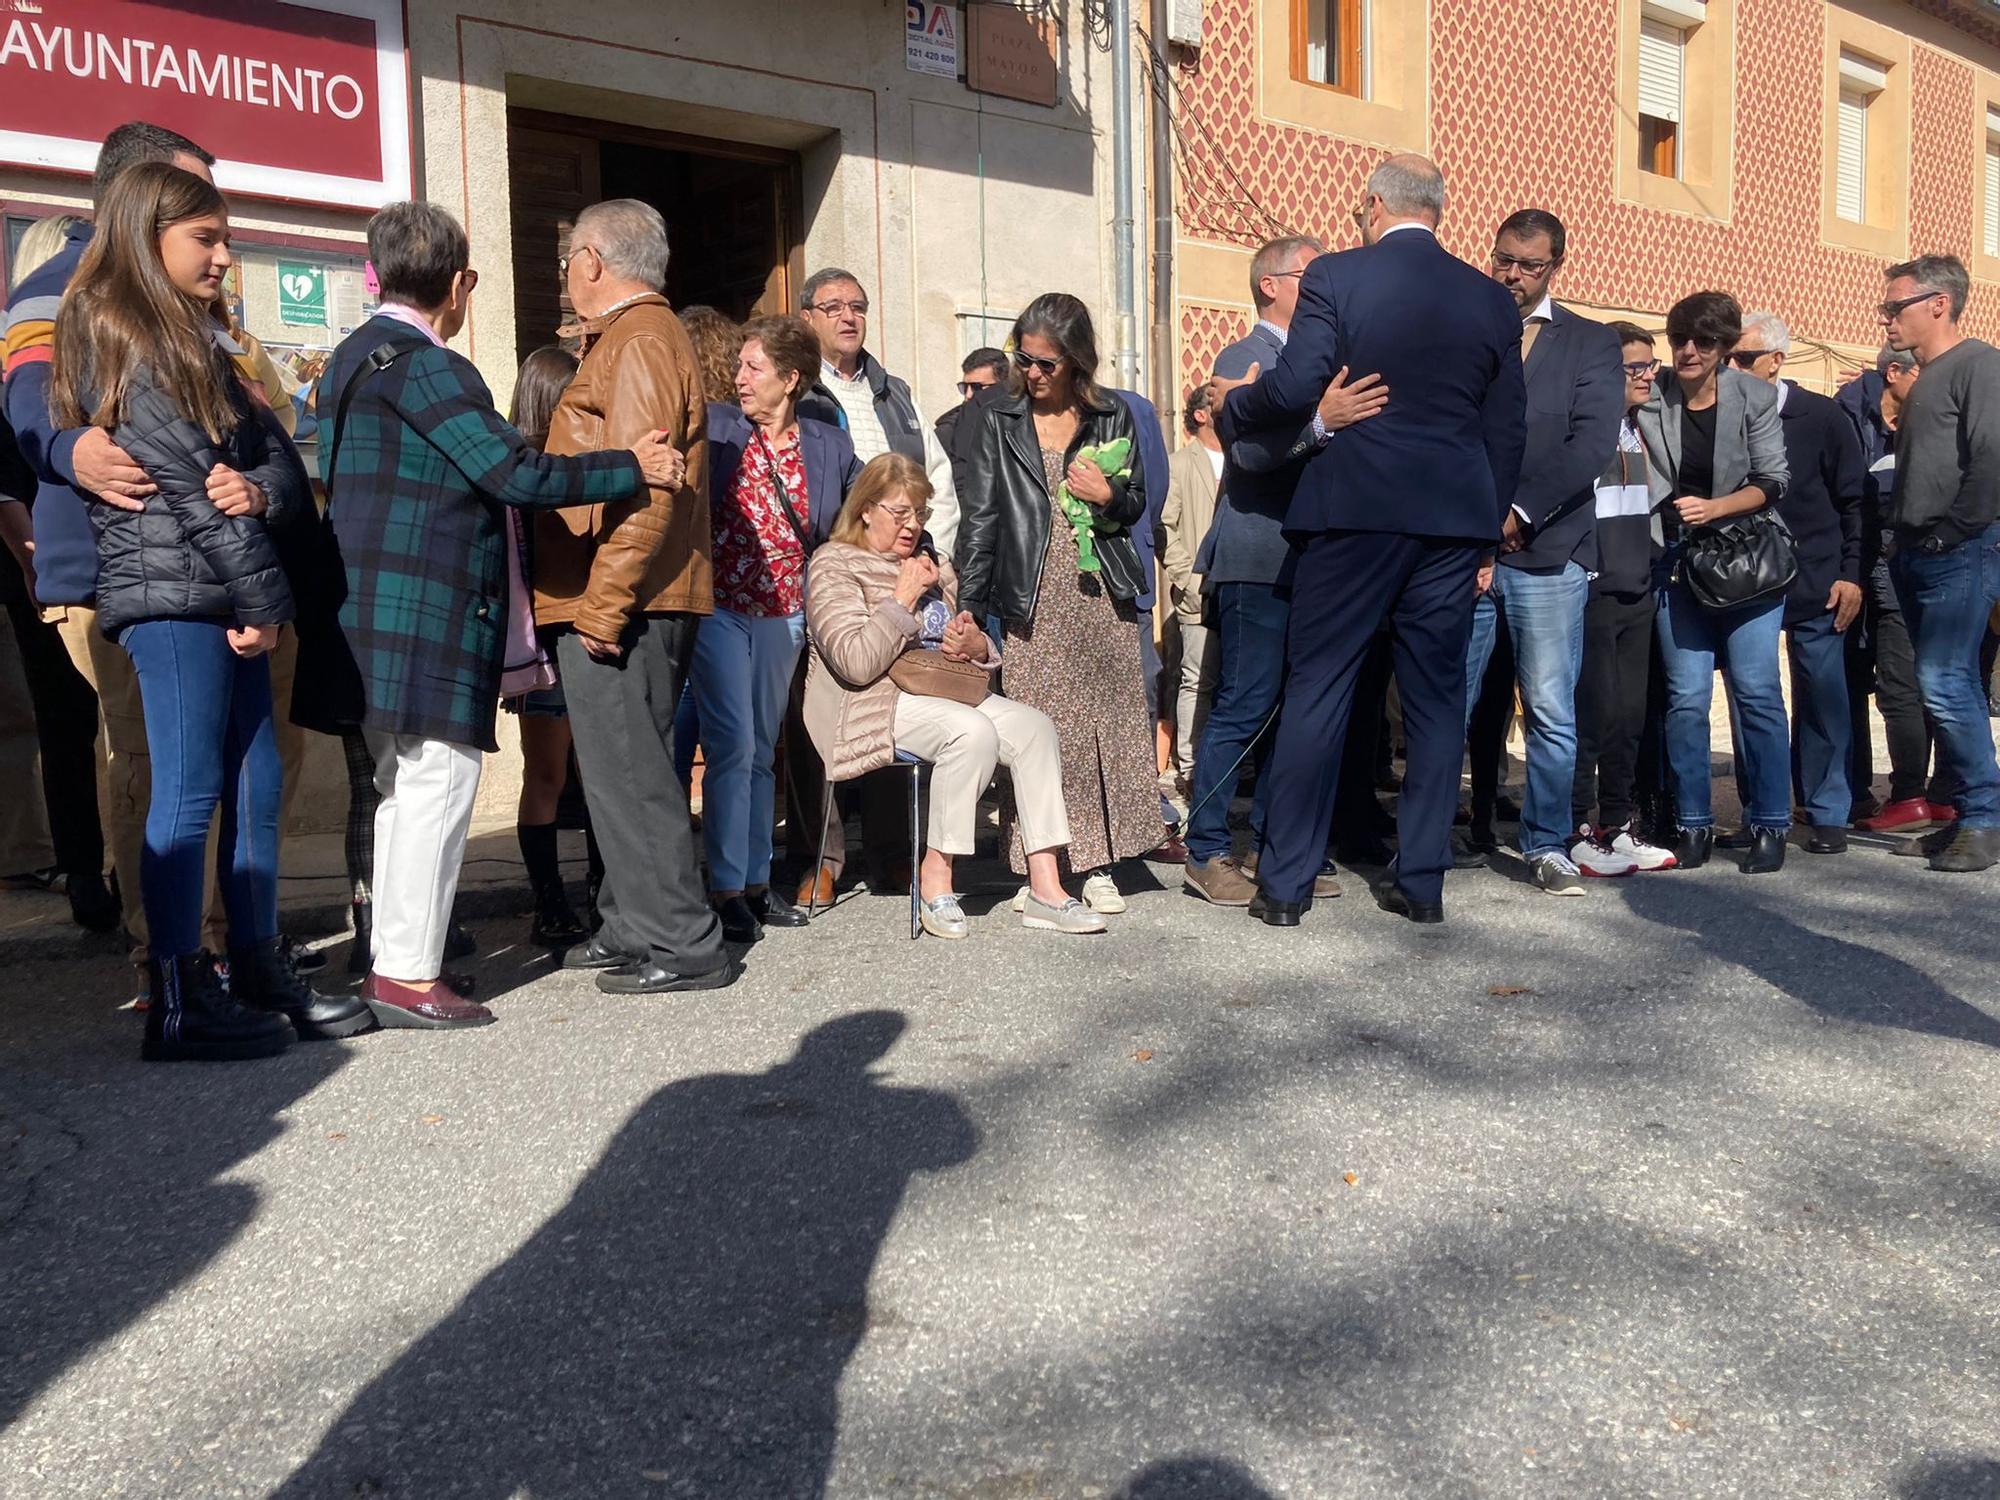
855,628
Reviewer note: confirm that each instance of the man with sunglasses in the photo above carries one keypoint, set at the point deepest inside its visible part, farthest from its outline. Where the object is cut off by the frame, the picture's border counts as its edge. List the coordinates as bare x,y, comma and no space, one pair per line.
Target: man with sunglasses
1946,518
1548,541
1822,506
980,371
875,407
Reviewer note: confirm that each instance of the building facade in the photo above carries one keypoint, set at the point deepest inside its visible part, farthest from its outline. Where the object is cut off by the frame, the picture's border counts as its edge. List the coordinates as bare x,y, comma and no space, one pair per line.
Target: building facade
1780,150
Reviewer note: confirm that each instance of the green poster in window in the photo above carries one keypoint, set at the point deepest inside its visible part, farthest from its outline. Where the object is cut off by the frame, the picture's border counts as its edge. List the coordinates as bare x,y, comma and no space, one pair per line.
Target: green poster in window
301,295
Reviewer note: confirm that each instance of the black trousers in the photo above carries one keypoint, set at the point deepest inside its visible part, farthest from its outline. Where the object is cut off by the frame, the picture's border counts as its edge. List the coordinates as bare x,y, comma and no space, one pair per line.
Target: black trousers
1906,722
1486,730
1611,693
621,716
65,725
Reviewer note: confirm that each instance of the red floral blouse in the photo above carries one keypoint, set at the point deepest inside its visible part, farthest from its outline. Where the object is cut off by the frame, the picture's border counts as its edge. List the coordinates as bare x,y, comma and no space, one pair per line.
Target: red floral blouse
759,563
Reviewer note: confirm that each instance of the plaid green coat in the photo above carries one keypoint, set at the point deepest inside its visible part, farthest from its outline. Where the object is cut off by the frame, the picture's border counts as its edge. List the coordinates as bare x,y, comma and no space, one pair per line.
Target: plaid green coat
415,497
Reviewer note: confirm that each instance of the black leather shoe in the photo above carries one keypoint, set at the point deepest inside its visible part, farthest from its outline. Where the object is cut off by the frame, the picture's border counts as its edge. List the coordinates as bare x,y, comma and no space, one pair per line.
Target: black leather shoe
262,977
1737,838
649,978
1368,849
773,910
458,943
596,954
1694,848
1970,851
1465,857
1827,841
1277,913
1391,899
739,921
1767,852
194,1018
305,960
556,924
1480,836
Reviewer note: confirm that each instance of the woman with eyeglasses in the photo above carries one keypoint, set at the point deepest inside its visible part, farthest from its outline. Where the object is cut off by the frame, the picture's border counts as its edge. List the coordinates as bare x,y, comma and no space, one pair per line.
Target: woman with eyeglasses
1716,452
1069,627
775,485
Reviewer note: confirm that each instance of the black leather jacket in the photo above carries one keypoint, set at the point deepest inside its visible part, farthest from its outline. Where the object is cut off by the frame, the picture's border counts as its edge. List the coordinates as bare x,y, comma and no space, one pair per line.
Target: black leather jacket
1005,514
180,558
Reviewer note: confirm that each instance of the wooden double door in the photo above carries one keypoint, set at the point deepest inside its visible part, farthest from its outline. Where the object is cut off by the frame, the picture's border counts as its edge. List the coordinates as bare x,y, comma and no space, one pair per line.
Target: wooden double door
733,214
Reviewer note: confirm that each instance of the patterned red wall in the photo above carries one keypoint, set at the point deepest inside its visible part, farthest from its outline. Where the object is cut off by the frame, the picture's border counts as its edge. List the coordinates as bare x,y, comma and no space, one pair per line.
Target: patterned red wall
1523,113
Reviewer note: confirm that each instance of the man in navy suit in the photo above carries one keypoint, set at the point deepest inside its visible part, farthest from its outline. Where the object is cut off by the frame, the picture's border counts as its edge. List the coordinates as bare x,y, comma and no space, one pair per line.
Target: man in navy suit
1392,521
1575,380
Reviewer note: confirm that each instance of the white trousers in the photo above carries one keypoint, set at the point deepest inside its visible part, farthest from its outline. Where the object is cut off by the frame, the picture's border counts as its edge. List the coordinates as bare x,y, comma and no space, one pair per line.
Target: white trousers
963,745
427,789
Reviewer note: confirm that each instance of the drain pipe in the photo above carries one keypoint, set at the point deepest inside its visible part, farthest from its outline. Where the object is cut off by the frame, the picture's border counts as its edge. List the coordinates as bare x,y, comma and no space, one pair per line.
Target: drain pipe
1124,229
1166,375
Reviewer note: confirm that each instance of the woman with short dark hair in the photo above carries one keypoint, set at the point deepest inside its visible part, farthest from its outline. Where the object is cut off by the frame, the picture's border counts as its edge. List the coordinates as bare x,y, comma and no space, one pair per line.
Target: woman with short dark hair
1045,543
775,485
1717,453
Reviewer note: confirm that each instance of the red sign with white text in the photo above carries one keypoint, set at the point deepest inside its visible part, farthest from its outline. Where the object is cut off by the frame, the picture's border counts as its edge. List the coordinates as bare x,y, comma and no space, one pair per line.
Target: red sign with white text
306,101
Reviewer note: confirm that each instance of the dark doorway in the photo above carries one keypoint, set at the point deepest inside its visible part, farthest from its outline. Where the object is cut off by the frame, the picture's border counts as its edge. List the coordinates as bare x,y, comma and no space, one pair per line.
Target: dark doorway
733,213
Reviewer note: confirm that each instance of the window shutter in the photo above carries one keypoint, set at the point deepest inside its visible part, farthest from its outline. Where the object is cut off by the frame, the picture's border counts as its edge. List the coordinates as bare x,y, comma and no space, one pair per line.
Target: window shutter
1851,168
1662,49
1992,220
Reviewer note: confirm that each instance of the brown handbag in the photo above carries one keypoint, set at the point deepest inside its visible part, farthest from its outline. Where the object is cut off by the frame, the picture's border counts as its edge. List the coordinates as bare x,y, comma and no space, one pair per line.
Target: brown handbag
932,674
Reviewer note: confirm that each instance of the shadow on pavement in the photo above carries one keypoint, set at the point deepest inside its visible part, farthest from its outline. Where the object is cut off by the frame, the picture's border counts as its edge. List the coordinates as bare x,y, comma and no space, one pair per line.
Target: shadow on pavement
681,1325
1955,1479
1193,1478
111,1190
1873,989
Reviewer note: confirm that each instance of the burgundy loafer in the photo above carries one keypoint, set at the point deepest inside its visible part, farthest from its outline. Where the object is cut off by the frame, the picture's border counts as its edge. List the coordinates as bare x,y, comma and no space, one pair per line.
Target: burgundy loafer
439,1008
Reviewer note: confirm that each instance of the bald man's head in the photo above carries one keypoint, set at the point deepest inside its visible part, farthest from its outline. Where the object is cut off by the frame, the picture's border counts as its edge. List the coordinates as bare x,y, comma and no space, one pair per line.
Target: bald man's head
1409,187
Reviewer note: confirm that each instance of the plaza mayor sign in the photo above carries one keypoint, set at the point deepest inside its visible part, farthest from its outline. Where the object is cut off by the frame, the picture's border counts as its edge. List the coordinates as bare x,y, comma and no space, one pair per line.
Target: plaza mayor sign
307,101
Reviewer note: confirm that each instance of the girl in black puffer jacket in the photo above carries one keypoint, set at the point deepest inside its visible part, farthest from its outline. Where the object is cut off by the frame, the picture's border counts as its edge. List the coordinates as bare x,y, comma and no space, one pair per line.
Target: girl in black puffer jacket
189,583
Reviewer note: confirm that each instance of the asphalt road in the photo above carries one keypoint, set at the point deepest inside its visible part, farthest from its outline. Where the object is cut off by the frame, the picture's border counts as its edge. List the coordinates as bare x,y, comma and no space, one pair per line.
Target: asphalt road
1688,1188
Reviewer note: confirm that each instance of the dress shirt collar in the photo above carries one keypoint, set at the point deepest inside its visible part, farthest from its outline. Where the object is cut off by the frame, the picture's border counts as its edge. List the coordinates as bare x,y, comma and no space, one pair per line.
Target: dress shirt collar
1280,334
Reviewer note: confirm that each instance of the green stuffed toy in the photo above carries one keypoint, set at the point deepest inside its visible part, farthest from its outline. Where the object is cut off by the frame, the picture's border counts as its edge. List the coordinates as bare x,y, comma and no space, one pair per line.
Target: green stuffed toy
1114,460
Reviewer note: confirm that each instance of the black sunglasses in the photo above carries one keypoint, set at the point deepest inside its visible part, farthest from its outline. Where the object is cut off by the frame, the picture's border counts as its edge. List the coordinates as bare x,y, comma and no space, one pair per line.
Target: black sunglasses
1030,362
1743,359
1894,309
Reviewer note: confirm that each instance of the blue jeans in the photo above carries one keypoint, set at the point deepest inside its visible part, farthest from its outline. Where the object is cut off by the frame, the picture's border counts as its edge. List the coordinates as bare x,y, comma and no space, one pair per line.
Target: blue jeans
1544,613
1744,642
1251,619
208,725
1823,738
741,675
1946,599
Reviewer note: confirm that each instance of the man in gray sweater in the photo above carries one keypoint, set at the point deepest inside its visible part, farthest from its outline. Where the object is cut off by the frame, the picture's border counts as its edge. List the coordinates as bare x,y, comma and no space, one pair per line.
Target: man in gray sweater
1946,521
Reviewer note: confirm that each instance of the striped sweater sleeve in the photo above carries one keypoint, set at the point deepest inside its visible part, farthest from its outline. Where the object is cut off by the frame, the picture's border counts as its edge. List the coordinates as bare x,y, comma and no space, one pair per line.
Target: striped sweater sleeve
25,352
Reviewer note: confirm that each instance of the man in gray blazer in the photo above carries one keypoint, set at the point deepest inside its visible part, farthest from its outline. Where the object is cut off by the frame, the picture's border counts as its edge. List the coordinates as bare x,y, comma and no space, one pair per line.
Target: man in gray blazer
1548,547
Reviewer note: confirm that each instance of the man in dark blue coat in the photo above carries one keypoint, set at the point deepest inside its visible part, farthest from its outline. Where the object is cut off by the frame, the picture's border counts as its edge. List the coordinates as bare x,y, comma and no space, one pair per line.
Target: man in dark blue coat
1393,520
1823,507
1548,546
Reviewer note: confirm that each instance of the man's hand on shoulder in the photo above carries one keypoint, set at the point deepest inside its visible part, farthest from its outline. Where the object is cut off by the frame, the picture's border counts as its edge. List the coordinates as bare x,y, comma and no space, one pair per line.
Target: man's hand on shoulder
107,472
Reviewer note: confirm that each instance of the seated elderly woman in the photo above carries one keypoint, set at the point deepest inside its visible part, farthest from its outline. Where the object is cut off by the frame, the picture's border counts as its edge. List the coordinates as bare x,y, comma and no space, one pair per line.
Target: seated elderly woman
875,595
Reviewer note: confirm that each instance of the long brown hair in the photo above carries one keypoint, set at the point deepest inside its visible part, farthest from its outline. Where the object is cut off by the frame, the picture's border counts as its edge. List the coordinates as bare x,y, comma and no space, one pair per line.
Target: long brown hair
538,390
717,341
1065,322
121,311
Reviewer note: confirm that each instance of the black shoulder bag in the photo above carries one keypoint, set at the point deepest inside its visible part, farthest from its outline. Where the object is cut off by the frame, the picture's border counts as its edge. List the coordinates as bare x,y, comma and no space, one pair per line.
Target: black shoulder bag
1739,561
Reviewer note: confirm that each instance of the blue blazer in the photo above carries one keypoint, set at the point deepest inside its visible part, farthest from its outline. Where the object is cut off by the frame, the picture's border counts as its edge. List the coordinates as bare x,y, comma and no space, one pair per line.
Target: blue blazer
1576,400
830,464
1245,541
1443,458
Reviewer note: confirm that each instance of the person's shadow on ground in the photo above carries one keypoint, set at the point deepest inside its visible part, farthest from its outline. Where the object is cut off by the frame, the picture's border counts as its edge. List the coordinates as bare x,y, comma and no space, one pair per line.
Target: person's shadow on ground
1195,1477
681,1326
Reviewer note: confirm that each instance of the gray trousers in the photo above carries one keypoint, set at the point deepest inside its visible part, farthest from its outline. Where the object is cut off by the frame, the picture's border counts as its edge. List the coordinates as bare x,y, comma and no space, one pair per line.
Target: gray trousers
621,714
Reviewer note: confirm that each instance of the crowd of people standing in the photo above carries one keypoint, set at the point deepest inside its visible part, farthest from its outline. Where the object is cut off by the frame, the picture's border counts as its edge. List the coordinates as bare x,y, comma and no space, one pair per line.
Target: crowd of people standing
1416,492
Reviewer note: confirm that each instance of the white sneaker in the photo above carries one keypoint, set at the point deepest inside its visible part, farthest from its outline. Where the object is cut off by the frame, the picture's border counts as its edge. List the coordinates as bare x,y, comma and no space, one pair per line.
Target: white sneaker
1555,874
1021,899
1644,856
1593,857
1100,894
1071,917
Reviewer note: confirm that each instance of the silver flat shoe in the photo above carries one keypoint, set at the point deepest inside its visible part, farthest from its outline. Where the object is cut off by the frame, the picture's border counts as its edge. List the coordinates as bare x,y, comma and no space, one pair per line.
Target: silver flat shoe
943,917
1071,917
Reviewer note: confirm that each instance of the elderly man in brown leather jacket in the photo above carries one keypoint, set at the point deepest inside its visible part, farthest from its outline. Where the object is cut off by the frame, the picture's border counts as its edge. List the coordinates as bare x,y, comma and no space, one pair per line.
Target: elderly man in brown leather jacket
626,585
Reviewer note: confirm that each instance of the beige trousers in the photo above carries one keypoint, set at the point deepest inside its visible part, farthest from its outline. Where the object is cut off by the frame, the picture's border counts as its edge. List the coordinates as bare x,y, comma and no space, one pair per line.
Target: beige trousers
125,767
963,745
